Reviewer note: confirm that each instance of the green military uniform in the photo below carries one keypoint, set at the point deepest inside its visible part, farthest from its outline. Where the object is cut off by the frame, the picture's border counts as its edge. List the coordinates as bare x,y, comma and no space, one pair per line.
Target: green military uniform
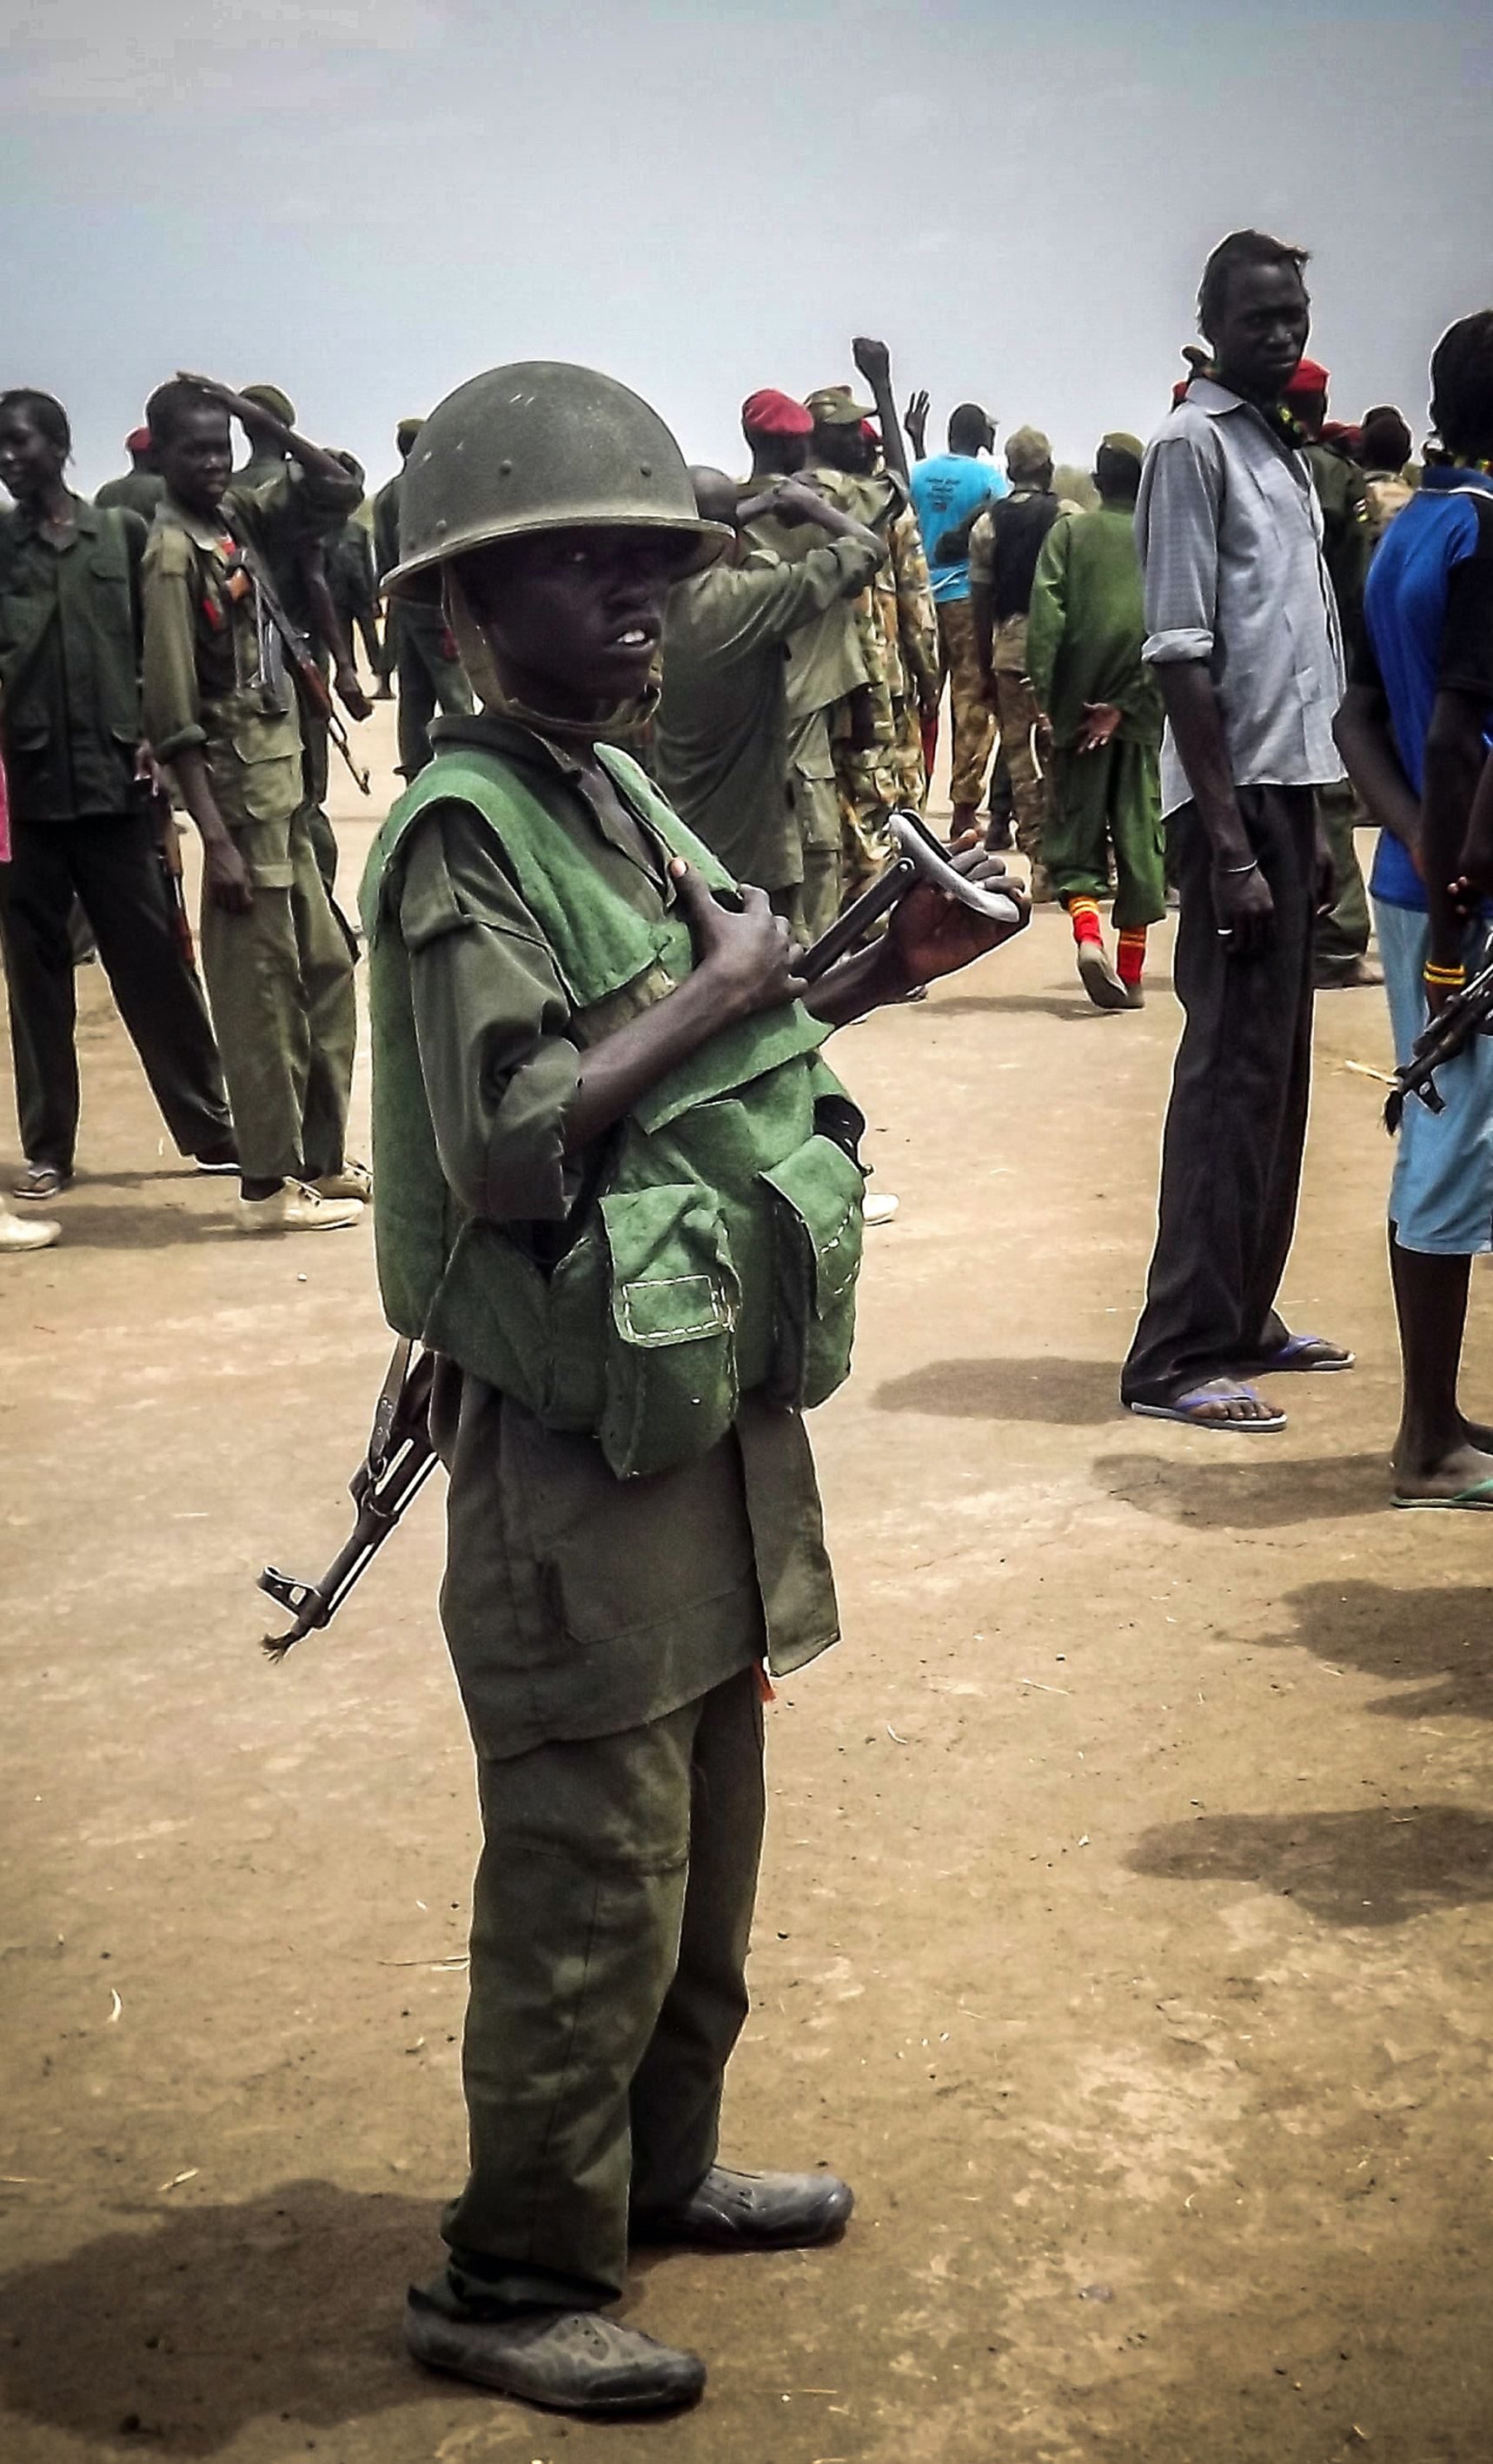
1004,545
138,492
1085,629
824,666
1341,936
879,760
280,977
289,566
428,674
634,1521
354,587
70,723
720,739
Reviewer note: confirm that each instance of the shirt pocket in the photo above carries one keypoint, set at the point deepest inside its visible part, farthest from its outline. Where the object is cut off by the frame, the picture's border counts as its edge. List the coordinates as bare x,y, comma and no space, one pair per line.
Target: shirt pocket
671,1388
257,774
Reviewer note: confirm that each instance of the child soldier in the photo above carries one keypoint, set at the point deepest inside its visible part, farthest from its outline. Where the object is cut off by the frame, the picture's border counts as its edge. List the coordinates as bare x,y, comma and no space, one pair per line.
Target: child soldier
619,1198
220,708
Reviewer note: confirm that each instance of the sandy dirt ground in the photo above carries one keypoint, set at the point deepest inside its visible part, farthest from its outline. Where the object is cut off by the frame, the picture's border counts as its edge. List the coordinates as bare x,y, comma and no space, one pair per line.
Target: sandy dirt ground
1125,1933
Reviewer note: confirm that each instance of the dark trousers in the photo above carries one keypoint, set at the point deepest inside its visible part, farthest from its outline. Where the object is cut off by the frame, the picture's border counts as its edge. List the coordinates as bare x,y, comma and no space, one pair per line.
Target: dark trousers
610,1920
111,867
1237,1122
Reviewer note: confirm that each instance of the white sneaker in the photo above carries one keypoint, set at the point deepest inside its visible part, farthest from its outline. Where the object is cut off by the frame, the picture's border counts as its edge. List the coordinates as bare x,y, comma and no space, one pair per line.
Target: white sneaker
295,1208
15,1233
879,1210
354,1180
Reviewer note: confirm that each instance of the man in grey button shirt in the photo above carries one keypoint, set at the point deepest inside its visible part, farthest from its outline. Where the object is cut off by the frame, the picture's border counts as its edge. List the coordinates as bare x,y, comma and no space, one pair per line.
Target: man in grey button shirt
1243,633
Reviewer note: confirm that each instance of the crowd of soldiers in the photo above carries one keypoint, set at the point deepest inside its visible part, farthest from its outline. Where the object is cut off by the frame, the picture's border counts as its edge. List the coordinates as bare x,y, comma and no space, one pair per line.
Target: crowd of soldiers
797,705
621,1206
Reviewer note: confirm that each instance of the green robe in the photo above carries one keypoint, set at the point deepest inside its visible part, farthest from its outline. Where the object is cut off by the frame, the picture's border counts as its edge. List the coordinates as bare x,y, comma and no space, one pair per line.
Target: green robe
1086,625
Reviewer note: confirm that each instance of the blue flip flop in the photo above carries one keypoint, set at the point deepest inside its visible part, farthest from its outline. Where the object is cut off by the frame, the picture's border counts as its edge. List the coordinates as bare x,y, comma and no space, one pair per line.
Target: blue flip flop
1191,1410
1292,1356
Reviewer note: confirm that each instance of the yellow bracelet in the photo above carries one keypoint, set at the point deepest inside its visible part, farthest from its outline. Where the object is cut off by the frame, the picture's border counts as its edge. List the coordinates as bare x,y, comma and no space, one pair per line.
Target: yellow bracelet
1445,975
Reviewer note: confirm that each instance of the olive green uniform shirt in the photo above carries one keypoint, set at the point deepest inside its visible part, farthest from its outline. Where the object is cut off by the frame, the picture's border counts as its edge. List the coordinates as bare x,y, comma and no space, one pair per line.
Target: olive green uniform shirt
1087,625
576,1604
70,631
720,739
215,677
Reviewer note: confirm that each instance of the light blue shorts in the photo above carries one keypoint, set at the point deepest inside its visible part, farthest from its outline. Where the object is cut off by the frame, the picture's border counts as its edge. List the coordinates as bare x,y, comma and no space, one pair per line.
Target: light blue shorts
1441,1195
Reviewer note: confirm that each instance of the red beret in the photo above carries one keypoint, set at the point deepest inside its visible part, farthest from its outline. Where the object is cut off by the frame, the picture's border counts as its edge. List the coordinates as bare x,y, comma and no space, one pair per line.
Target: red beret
1310,377
770,413
138,441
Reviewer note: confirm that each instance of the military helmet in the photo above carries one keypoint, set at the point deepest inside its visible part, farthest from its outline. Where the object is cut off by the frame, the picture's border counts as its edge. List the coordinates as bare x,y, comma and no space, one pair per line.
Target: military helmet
540,446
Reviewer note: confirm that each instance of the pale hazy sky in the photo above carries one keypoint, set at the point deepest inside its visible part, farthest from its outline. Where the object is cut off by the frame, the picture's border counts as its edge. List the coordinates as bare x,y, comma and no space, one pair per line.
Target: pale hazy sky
368,200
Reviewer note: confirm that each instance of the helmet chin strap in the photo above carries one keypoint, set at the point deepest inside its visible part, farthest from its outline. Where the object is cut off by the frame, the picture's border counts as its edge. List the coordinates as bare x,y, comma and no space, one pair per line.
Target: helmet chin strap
623,724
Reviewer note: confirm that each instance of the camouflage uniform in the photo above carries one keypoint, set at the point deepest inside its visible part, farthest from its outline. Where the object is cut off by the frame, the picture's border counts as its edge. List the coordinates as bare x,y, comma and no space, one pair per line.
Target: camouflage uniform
1016,703
876,740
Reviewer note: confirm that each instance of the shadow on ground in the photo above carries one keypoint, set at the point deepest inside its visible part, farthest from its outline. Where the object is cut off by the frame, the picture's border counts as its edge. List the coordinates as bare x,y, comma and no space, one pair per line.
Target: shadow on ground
86,1226
1371,1868
170,2339
1238,1495
1073,1393
1439,1643
1076,1004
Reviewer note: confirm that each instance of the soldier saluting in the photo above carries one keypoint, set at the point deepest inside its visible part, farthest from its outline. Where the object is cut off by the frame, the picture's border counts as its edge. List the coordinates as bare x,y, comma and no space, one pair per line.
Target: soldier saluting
618,1196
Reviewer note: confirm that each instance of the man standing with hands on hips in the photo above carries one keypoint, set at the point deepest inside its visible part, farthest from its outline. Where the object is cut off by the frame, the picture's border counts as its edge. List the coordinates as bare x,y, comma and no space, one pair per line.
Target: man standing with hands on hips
1242,631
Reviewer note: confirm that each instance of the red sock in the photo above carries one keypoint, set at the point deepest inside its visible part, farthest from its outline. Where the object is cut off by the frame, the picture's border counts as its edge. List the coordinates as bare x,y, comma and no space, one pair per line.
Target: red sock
1083,916
1130,956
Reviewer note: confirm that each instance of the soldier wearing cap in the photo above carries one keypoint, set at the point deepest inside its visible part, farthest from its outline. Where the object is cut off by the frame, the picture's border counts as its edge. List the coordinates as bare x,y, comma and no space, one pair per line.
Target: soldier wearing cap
618,1196
877,742
418,647
140,487
1004,543
825,663
1103,717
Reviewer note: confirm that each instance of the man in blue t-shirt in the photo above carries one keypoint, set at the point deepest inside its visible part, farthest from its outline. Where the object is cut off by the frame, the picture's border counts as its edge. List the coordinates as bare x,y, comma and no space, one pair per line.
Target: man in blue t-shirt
1414,731
948,489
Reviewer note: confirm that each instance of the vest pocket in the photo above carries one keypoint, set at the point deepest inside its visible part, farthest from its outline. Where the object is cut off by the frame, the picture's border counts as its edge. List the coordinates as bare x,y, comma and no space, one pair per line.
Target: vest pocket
670,1354
818,1228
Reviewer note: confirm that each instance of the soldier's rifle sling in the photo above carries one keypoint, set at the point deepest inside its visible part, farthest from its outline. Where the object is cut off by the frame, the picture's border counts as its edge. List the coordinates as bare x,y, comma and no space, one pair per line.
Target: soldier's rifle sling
299,650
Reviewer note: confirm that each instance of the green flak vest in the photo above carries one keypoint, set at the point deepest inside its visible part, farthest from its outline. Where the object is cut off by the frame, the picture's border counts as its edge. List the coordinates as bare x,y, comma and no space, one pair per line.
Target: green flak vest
718,1250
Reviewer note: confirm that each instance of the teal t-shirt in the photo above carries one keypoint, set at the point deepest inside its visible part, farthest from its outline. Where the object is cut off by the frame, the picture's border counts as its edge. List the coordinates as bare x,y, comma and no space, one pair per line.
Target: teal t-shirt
945,489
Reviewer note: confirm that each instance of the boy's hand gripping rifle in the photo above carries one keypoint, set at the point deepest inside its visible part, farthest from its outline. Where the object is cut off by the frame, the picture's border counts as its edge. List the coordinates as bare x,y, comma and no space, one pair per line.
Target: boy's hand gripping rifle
1468,1013
919,858
400,1459
400,1456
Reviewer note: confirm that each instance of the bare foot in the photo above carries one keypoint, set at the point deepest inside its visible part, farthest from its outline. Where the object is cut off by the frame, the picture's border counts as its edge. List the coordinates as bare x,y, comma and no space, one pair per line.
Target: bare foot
1465,1468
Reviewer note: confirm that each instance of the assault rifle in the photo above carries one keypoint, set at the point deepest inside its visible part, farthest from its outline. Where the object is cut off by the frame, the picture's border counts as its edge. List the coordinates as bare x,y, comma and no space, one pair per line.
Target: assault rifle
399,1461
302,658
1468,1013
400,1457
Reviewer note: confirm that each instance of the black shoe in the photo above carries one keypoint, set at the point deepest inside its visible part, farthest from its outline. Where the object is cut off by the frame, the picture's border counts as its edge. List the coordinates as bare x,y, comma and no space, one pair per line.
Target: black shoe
752,2212
573,2360
998,838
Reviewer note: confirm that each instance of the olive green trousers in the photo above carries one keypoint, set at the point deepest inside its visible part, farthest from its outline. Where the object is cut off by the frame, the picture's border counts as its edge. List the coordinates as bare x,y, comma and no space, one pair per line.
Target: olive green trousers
281,983
1341,936
1109,799
611,1914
